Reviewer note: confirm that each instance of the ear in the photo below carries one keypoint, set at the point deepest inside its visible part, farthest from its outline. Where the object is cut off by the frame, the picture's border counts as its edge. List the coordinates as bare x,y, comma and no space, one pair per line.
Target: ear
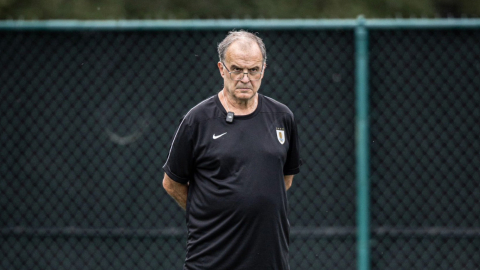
221,69
263,71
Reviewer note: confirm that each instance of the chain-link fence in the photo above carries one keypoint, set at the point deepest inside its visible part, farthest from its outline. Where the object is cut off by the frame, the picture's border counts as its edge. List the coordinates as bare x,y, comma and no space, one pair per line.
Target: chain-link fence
425,146
88,116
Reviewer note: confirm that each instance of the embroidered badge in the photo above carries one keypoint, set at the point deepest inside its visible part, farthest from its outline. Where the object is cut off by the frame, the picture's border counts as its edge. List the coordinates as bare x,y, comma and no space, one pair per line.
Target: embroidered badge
281,135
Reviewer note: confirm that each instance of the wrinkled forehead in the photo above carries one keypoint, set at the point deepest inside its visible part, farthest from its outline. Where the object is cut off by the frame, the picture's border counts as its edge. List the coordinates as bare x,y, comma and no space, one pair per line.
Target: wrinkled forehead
244,52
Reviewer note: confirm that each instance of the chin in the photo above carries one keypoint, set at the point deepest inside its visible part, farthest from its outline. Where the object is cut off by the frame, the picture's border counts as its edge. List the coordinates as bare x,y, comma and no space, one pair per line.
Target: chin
245,95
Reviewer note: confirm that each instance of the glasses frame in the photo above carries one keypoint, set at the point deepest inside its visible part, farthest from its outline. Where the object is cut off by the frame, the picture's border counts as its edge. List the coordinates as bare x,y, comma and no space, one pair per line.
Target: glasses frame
243,74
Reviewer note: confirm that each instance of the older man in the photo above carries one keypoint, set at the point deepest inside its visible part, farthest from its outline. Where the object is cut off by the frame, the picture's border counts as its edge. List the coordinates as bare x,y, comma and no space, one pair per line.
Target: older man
231,162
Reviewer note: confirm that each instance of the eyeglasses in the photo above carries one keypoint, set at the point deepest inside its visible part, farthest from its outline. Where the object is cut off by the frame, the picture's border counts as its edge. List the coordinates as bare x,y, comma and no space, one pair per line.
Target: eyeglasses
237,74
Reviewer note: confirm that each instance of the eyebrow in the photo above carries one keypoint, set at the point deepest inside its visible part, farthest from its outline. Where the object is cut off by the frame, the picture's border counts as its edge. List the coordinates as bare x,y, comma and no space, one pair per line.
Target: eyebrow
235,66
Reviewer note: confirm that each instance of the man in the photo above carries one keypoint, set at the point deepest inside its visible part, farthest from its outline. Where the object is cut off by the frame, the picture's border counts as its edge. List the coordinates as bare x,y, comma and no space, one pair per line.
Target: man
231,162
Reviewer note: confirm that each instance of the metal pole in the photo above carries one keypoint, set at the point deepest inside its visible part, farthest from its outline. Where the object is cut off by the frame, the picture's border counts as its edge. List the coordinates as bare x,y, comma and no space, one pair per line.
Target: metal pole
362,146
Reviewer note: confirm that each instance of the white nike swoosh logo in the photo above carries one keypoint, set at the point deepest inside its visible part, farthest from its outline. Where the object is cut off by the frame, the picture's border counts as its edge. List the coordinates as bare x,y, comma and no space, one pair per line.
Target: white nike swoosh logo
216,137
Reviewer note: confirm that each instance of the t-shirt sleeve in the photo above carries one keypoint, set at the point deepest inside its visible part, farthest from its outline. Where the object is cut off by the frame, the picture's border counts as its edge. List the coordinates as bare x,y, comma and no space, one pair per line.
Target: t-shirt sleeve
179,164
293,162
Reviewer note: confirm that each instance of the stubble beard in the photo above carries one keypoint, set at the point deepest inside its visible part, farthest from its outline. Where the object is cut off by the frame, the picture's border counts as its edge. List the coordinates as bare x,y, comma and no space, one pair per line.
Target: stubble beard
238,96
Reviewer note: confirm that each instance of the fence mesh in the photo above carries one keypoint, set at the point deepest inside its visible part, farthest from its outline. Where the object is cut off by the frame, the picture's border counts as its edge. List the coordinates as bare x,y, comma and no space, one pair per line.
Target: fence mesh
87,118
425,149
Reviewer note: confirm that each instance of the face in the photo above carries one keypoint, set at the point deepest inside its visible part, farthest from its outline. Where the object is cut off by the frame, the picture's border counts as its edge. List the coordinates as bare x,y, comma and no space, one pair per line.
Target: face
244,56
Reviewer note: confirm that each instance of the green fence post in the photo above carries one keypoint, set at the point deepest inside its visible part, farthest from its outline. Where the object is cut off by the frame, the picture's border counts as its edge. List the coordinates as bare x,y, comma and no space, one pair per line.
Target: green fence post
362,146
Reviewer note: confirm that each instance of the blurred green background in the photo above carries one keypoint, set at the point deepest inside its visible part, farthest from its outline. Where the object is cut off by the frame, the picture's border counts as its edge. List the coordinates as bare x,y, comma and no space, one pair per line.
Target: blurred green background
229,9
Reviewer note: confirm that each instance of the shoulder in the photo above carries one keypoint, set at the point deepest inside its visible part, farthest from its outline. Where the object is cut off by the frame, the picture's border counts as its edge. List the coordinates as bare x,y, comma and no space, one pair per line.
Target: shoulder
204,110
271,105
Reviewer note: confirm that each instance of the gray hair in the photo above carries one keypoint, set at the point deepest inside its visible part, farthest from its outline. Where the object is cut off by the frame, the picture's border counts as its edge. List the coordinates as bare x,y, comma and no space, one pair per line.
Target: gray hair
240,35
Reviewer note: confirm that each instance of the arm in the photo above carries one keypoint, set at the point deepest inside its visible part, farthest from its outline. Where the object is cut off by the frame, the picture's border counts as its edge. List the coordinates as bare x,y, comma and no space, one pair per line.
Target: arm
176,190
288,181
293,161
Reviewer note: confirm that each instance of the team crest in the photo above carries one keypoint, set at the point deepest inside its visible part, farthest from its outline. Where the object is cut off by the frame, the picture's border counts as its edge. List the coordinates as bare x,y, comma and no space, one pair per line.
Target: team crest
281,135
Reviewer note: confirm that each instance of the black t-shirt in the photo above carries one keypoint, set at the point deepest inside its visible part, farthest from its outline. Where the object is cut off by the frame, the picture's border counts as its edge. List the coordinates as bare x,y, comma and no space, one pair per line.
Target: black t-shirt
237,203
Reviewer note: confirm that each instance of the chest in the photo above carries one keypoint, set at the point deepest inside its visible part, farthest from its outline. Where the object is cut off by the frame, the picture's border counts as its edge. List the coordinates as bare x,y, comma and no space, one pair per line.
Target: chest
257,140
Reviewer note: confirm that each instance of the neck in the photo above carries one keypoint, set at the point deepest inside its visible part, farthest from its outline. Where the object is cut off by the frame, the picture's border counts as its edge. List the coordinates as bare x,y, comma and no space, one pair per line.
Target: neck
239,107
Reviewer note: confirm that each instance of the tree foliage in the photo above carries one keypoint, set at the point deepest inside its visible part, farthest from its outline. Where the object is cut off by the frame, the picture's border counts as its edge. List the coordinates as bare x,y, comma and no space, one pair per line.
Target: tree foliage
227,9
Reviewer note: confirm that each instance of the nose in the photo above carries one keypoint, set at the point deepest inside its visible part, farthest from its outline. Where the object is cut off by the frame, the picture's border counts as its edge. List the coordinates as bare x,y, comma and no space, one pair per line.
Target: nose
245,78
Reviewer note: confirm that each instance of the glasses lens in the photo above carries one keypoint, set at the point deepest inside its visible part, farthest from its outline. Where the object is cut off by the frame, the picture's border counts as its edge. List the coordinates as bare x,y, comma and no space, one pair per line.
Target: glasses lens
252,76
255,76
